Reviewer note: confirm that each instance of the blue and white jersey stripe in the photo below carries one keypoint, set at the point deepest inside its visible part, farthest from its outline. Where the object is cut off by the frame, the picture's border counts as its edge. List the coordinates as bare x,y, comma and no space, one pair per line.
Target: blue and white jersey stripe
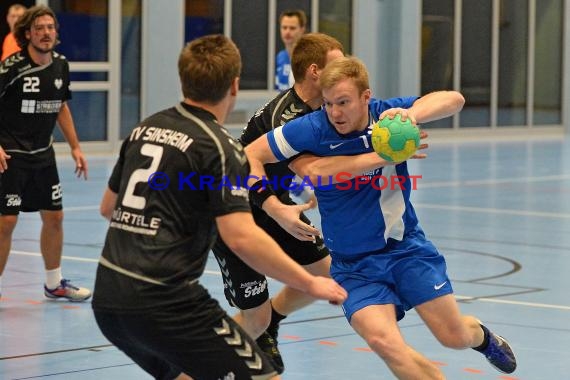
279,145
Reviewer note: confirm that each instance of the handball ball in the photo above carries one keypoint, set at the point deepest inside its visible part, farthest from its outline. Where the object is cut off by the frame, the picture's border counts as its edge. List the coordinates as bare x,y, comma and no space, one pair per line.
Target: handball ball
395,140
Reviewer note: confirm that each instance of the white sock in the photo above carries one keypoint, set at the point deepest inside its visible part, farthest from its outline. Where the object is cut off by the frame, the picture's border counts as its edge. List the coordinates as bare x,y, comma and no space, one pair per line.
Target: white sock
53,278
0,284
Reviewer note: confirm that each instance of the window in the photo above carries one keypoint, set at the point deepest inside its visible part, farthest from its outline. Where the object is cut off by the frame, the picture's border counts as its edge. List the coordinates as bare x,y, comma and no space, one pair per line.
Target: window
335,19
252,40
249,29
83,30
547,104
513,63
476,63
437,51
203,17
509,64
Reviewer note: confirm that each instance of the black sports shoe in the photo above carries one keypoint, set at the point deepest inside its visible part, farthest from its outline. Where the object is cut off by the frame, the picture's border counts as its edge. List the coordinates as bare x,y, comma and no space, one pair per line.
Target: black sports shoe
500,354
268,345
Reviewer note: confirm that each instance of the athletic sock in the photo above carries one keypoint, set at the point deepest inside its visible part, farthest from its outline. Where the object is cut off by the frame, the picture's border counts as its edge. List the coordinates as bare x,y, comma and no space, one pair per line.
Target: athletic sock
276,318
485,343
53,278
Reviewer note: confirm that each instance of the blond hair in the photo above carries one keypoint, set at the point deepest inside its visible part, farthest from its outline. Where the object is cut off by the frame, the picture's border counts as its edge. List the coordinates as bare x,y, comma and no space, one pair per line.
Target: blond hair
345,68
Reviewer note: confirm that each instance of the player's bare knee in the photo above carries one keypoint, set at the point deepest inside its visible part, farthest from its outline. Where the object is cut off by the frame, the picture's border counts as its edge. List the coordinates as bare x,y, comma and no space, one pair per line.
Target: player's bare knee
7,225
387,349
52,220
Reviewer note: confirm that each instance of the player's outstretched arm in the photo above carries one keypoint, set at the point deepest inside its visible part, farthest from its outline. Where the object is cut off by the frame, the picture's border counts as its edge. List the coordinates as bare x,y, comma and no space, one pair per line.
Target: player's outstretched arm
259,153
436,105
258,250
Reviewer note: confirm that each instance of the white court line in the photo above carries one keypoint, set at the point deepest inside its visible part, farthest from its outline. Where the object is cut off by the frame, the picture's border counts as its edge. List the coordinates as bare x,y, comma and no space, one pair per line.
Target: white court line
494,181
84,259
518,303
500,211
218,273
81,208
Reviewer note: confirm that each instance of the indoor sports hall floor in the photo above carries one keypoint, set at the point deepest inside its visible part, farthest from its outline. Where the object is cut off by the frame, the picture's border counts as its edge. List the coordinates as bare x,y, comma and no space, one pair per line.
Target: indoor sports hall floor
500,212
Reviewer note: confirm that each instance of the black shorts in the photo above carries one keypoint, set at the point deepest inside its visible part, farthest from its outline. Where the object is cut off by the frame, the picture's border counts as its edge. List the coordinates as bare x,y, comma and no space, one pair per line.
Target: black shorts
245,288
27,189
196,338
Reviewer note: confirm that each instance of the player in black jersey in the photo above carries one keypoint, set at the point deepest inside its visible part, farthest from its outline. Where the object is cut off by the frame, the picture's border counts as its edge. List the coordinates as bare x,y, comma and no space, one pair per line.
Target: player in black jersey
245,288
34,90
178,183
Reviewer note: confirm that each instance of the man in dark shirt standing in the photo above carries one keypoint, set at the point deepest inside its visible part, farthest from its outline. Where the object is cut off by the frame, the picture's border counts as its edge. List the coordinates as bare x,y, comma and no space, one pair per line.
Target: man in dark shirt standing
34,89
178,183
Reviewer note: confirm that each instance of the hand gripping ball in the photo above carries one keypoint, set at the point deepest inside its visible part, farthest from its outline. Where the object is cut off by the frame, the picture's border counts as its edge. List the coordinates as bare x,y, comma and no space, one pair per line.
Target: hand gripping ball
395,140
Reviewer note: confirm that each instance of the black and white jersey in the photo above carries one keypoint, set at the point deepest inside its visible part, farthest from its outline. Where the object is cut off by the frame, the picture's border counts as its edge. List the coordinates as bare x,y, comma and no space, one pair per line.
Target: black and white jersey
282,109
177,171
31,97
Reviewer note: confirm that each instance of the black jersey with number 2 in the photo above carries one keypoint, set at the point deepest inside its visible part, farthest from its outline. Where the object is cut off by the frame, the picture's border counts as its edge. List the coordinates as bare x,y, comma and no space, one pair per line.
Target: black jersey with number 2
177,171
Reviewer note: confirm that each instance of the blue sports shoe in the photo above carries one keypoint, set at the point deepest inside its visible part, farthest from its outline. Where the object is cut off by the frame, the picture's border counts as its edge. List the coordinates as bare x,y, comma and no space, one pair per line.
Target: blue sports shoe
499,353
68,291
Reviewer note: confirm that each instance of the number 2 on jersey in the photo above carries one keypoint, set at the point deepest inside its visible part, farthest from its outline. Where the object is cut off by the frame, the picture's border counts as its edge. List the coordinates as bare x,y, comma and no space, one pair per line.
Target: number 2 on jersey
142,175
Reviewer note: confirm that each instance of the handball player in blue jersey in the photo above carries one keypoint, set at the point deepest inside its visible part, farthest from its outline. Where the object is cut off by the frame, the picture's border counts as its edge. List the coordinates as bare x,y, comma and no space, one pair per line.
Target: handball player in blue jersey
292,24
379,252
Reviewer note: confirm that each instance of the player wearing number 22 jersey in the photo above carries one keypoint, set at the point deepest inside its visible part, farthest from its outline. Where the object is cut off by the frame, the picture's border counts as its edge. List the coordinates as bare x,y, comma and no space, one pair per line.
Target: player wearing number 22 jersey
33,94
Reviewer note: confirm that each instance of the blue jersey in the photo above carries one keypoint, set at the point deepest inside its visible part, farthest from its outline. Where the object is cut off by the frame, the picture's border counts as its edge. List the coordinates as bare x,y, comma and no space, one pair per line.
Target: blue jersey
283,75
356,217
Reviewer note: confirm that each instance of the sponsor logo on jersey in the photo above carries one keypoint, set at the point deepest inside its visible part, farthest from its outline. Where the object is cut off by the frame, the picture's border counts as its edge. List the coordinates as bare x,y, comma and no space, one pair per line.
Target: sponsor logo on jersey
137,223
13,200
253,288
58,83
40,106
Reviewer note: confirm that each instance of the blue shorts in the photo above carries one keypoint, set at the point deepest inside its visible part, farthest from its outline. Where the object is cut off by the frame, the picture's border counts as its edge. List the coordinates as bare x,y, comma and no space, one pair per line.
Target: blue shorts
405,273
